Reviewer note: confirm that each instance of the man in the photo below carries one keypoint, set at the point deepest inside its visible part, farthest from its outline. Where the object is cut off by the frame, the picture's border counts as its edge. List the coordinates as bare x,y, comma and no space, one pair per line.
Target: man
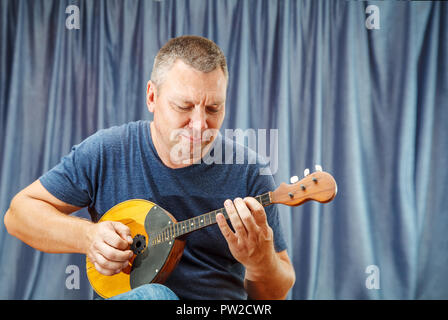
162,161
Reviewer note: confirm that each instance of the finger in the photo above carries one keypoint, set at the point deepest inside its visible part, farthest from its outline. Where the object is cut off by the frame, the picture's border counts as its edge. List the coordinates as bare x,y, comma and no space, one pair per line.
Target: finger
113,239
109,265
123,231
258,212
225,229
235,219
104,271
246,215
113,254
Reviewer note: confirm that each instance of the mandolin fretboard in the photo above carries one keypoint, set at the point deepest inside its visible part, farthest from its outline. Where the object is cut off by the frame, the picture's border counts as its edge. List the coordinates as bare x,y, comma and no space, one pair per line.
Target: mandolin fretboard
174,230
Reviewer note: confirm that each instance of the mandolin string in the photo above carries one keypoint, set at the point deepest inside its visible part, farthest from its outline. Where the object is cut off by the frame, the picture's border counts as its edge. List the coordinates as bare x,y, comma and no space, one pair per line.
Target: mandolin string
181,228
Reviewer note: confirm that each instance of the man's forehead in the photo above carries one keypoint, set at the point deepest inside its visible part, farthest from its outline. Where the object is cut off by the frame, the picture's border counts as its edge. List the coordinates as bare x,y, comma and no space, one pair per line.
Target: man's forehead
184,90
197,97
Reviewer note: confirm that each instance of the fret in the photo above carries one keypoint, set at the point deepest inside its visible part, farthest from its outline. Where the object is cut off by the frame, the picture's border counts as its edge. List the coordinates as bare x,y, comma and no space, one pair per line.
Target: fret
267,196
213,217
209,218
196,222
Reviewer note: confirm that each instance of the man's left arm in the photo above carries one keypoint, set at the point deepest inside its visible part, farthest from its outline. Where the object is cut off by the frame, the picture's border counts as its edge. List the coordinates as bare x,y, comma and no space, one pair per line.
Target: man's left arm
269,274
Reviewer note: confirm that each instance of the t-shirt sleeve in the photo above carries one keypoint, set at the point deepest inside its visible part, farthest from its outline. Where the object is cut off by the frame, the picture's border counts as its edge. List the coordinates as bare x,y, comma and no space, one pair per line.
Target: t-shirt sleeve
73,179
262,182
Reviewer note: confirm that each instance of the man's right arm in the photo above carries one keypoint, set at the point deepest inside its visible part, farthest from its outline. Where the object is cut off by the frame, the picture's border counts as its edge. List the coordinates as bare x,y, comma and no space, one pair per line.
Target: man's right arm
42,221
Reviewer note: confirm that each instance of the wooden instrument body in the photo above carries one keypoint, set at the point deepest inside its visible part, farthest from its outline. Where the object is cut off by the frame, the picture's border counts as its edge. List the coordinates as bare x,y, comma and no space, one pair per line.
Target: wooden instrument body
154,264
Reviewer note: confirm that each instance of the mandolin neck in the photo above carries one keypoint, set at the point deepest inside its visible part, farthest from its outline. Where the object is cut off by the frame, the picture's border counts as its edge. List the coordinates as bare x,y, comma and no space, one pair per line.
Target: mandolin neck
181,228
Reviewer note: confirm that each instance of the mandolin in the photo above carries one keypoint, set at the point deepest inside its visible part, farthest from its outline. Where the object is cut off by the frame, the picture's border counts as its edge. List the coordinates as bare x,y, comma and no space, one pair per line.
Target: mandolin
159,240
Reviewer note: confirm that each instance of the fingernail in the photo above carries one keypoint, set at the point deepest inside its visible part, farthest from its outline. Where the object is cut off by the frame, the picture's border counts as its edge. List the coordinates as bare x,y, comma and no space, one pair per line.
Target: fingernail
228,202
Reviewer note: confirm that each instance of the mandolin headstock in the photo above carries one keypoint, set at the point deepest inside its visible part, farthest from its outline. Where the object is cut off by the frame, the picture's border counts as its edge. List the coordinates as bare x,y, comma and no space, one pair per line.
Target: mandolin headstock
319,186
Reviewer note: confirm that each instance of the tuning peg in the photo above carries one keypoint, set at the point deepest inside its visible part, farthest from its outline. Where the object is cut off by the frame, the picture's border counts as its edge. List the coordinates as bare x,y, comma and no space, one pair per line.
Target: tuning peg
306,172
318,167
294,179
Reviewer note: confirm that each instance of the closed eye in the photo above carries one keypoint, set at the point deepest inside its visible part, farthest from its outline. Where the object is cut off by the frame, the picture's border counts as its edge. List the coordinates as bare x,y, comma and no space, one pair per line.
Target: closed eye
184,107
214,108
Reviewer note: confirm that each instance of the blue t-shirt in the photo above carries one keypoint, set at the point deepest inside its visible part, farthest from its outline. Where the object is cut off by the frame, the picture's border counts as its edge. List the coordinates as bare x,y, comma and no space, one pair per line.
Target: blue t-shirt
121,163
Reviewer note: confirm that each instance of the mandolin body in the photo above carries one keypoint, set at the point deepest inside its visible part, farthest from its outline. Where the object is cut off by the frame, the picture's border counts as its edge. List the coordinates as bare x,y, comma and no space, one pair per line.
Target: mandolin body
154,263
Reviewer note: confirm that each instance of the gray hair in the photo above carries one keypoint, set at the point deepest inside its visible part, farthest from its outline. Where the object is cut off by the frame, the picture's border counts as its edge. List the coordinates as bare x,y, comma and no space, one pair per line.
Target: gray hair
198,52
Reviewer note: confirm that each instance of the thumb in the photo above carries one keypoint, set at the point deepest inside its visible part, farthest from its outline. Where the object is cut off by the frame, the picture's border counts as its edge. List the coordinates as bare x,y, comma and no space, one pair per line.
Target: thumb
123,231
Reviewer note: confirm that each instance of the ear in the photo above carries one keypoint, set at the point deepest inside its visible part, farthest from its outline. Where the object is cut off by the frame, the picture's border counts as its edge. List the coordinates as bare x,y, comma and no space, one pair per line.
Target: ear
151,96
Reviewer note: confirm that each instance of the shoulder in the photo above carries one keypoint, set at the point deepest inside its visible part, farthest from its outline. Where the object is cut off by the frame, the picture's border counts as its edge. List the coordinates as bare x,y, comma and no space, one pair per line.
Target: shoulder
104,143
126,130
115,135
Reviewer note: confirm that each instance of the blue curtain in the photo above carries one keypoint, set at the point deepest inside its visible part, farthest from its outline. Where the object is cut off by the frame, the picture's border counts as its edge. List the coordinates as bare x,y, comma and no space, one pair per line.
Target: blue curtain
368,104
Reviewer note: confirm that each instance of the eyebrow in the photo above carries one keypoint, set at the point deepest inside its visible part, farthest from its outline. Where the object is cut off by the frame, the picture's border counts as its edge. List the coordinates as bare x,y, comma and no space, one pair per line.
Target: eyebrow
188,101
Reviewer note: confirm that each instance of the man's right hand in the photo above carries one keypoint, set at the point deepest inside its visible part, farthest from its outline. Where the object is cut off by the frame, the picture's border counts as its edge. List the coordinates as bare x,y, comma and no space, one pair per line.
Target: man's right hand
109,248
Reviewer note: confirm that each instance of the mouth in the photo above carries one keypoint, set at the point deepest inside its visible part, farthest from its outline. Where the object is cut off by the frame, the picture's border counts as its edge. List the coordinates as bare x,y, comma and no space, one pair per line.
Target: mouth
192,139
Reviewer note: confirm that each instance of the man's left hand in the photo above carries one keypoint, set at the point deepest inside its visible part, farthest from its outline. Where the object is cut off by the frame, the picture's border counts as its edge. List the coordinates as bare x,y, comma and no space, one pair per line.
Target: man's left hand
252,242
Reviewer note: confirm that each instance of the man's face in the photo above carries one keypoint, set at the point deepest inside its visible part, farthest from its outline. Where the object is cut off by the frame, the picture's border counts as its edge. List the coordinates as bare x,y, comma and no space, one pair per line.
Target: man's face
189,108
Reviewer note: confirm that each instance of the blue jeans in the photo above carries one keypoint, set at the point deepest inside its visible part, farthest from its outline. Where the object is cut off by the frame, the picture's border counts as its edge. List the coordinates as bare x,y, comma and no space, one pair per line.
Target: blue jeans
152,291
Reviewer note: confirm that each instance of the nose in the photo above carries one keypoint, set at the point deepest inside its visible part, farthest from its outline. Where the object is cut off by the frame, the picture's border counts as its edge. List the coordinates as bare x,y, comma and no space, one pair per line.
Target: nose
198,120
